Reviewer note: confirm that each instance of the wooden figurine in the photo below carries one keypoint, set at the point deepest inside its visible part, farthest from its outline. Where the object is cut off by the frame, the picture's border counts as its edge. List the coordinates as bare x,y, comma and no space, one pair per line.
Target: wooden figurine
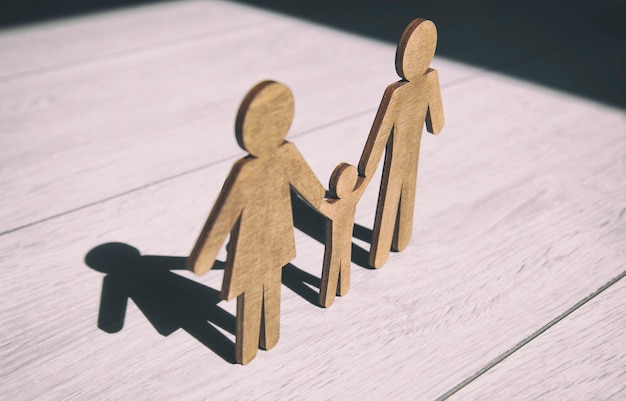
346,189
254,207
397,130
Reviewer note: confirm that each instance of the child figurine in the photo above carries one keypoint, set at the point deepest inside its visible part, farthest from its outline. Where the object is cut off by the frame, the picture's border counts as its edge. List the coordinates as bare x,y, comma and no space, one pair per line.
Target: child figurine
346,188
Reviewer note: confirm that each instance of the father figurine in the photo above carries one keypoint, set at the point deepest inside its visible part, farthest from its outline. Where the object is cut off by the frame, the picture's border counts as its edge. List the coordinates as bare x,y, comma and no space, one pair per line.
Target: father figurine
397,130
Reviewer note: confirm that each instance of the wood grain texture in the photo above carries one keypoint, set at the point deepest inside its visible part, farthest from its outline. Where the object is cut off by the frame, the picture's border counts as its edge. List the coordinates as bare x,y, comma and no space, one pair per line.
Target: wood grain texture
397,130
77,113
491,264
519,215
346,189
254,208
91,39
583,357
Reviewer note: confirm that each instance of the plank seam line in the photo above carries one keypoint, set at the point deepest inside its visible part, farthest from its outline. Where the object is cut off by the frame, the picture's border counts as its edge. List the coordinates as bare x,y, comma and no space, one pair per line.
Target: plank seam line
447,85
530,338
118,195
169,178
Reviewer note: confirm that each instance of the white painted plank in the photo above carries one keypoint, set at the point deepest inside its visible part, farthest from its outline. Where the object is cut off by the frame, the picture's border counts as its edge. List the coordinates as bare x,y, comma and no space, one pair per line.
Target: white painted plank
515,223
88,39
103,128
520,214
581,358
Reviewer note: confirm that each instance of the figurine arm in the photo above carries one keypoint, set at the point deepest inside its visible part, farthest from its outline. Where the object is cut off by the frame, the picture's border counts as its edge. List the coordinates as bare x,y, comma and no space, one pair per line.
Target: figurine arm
113,302
301,177
379,134
361,186
327,208
223,217
434,114
331,208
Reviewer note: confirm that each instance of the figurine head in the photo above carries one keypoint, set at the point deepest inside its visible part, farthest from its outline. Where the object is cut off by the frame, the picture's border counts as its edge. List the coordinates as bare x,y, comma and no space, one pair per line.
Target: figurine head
343,180
264,118
416,49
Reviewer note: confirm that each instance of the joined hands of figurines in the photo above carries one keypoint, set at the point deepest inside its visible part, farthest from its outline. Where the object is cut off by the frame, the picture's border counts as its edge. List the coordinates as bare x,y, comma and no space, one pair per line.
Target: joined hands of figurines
254,205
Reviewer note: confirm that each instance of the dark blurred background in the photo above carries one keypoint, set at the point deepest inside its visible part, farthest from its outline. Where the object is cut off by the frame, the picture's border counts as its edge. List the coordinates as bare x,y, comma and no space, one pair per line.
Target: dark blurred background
571,45
20,12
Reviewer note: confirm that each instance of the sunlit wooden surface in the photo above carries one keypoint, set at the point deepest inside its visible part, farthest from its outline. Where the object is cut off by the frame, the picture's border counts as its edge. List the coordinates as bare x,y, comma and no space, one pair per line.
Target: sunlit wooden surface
118,127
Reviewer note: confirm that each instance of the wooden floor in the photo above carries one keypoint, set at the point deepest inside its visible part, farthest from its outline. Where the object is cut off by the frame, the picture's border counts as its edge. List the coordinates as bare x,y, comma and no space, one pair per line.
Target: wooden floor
118,128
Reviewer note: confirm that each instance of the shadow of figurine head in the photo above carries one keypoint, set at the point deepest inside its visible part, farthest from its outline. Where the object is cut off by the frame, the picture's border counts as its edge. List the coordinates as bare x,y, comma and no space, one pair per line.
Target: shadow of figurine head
264,118
416,49
112,257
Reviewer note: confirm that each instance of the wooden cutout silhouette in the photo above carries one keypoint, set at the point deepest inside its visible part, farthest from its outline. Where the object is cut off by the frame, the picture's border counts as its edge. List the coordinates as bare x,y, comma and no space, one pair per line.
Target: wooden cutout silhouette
397,129
346,189
254,206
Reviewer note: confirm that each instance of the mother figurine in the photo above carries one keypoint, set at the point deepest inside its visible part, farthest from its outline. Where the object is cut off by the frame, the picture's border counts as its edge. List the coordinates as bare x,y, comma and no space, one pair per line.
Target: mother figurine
254,207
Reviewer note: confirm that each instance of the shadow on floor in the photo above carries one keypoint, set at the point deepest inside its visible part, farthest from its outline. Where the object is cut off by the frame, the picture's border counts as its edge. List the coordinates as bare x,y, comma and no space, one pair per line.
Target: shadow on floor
169,301
302,283
313,224
28,11
571,45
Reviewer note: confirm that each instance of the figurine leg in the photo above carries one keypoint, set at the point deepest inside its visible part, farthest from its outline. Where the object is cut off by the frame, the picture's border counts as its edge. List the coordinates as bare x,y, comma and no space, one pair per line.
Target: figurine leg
330,269
404,222
270,315
387,208
249,305
344,276
343,261
384,225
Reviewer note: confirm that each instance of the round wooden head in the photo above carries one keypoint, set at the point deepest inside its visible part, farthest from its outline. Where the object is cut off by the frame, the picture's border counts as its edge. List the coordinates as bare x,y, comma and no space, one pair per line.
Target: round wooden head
416,49
343,180
264,118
